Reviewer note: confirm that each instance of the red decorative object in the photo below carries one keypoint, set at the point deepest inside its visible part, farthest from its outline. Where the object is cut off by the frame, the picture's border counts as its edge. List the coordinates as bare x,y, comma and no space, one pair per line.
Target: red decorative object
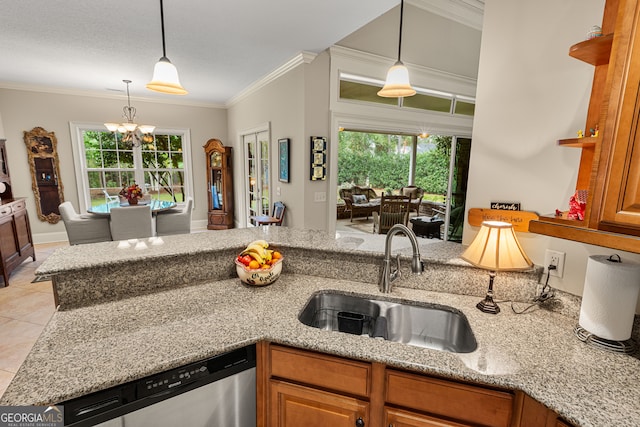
132,193
577,205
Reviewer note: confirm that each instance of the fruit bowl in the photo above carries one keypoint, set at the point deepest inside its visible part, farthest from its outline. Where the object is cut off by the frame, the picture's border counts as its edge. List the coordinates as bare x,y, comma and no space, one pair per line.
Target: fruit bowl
259,276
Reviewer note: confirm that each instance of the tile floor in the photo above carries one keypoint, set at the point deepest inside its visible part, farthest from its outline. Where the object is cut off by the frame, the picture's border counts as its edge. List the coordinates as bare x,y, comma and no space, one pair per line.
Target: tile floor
25,309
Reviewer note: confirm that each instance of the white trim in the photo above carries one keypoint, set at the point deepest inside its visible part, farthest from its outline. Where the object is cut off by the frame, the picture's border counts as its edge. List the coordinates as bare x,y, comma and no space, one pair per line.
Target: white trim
301,58
465,12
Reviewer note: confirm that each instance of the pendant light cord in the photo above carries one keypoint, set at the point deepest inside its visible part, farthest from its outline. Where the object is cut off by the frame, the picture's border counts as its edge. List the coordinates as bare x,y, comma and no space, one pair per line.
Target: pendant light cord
164,51
400,35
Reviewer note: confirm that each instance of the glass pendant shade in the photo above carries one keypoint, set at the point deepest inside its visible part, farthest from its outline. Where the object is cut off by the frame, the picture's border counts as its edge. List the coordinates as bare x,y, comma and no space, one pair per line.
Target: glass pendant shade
112,127
165,78
397,84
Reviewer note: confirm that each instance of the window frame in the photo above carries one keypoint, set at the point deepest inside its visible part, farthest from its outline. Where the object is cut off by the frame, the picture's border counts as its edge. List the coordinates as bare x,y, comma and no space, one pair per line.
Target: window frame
81,170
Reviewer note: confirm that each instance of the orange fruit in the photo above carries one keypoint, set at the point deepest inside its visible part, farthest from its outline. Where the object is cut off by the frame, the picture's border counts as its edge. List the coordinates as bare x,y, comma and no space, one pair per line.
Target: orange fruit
253,265
265,266
276,255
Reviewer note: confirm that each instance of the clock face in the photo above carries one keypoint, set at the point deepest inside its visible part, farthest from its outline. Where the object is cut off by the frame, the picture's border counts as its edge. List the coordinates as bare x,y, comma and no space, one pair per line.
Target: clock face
216,160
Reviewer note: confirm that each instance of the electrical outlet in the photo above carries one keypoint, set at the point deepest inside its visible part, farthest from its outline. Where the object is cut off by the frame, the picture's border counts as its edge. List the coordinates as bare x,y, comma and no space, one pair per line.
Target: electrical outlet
555,258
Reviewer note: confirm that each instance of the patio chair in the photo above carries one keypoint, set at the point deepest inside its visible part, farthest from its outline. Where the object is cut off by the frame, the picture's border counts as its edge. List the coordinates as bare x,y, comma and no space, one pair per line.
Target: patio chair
86,228
416,194
393,210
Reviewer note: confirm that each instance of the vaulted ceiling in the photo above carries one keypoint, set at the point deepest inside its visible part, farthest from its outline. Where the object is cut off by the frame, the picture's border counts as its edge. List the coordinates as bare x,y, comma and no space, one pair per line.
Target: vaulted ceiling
219,47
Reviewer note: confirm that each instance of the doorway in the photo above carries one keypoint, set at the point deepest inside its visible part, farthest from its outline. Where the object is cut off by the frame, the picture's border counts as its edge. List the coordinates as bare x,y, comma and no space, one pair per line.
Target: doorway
257,179
386,162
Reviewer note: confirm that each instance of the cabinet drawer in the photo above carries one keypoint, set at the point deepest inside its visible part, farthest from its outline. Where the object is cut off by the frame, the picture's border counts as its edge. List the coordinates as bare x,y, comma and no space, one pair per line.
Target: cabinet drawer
462,402
18,206
5,210
320,370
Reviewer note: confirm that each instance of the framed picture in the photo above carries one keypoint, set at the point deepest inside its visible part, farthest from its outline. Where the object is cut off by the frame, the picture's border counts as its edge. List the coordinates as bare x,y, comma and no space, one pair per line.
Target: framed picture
283,155
318,158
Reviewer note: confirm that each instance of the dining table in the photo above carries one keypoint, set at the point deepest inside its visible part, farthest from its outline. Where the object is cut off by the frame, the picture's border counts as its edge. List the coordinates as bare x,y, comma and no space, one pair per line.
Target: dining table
155,206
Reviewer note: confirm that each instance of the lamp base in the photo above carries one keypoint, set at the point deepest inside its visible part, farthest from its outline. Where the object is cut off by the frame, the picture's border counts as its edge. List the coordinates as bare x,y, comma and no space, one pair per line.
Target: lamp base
487,305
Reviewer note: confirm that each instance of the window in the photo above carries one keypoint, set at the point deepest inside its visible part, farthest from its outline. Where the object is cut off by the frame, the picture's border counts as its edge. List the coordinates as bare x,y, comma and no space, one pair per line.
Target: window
104,164
357,88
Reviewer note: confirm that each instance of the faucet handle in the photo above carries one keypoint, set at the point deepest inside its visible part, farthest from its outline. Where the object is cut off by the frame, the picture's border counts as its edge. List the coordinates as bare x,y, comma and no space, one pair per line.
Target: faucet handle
398,271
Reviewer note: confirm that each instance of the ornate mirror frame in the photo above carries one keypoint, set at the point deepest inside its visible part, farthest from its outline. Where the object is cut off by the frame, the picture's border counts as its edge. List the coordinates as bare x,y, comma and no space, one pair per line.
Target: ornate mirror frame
45,173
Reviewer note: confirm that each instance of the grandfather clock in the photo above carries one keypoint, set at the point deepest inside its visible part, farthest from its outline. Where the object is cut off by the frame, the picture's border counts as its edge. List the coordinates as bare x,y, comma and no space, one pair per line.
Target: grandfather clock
220,185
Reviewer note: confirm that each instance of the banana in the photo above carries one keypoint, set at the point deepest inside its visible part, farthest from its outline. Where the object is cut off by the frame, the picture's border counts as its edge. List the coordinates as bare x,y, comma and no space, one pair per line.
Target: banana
257,248
256,256
262,243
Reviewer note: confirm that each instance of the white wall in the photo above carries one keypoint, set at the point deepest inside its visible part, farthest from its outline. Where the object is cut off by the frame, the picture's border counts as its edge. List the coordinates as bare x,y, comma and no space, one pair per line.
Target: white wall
296,105
530,93
23,110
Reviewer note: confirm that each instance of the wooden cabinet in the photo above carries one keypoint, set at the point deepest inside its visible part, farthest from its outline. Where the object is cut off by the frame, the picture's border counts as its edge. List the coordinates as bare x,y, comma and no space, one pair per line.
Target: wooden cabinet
219,185
16,243
299,387
610,162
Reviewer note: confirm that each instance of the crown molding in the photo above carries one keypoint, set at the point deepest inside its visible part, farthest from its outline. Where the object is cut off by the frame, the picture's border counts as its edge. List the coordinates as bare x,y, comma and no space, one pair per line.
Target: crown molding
466,12
111,95
301,58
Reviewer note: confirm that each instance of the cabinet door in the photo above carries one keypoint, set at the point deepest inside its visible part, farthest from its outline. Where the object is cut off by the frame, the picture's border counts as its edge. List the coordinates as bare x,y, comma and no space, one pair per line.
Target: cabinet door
399,418
622,195
293,405
23,230
8,247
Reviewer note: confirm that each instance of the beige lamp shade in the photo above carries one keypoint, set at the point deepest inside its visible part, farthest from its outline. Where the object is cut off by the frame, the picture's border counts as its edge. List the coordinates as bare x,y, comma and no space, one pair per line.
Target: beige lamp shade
496,248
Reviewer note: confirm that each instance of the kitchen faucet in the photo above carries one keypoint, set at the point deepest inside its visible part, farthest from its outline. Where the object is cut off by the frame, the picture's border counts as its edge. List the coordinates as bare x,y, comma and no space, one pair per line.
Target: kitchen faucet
387,276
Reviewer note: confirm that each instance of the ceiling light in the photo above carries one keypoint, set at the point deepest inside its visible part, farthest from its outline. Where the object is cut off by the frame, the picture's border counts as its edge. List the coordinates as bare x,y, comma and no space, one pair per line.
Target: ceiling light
165,75
397,84
133,133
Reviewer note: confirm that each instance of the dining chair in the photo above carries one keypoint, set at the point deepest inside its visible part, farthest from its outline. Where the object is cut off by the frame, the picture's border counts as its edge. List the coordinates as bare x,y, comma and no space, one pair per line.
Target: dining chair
175,221
276,217
85,228
131,222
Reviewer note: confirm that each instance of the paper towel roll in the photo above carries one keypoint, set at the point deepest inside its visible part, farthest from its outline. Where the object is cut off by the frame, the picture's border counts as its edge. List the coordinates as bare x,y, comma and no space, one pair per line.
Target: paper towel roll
609,298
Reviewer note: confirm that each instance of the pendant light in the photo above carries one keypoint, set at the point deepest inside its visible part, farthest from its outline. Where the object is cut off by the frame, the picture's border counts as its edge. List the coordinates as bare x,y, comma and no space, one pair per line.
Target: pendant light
397,84
165,75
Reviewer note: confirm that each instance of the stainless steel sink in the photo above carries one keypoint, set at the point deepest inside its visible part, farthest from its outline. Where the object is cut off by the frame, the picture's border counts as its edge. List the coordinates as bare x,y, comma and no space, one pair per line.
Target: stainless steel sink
433,326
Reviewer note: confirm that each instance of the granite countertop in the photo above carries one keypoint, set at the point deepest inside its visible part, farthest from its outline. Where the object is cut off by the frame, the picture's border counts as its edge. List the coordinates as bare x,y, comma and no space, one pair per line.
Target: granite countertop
98,346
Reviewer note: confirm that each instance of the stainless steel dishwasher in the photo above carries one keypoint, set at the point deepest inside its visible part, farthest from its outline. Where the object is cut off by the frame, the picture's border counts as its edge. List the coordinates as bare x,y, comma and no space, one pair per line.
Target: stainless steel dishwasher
220,392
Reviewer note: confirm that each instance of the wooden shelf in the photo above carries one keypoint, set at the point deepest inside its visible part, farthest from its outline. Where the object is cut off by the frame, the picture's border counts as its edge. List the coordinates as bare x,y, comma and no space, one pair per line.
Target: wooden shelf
576,231
595,51
587,141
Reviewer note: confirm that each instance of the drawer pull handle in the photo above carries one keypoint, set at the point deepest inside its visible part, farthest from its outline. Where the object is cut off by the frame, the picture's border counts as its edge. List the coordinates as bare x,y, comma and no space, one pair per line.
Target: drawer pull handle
359,422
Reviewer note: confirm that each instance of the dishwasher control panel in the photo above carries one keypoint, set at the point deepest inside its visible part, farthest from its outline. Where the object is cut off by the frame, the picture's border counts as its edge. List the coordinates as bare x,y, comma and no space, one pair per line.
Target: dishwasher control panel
171,379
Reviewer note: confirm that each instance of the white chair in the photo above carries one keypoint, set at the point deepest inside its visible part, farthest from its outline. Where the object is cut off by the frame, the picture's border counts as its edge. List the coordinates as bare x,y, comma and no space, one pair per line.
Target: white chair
86,228
131,222
175,221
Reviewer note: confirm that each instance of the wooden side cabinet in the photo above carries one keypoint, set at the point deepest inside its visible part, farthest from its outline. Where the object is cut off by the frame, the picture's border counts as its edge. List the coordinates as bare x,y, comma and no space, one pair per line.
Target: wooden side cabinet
219,185
16,243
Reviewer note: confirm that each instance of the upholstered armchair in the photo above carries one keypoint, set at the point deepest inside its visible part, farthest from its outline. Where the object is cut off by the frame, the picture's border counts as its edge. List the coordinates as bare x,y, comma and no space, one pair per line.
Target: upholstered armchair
86,228
175,221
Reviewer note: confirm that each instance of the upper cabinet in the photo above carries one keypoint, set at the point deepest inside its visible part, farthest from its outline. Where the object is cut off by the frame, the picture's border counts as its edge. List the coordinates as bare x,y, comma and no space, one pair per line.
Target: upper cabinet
609,165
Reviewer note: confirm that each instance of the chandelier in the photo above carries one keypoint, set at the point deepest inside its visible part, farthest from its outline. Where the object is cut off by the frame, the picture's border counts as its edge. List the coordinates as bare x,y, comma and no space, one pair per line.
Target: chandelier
132,133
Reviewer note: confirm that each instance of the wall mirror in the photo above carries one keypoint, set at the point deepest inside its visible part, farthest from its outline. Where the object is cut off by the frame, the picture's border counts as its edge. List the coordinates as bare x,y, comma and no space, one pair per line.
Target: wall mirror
45,173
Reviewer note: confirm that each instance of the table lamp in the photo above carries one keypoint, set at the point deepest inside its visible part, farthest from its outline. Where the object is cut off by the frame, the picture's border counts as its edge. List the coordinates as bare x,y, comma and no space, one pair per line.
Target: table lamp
495,248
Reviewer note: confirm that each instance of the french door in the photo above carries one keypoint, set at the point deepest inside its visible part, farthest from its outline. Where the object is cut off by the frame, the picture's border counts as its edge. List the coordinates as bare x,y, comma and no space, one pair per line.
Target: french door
256,148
